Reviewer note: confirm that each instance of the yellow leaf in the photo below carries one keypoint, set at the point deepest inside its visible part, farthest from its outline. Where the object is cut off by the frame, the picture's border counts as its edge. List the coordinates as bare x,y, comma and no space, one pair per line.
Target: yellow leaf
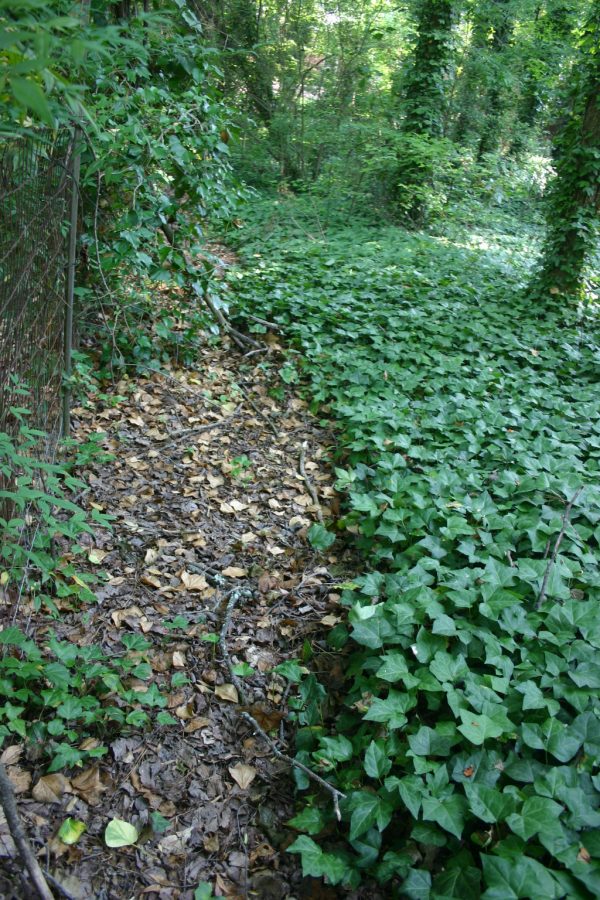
227,692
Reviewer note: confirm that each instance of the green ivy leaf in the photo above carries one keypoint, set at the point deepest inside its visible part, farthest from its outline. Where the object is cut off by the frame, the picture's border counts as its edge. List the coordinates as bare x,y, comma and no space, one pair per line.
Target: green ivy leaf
320,538
514,879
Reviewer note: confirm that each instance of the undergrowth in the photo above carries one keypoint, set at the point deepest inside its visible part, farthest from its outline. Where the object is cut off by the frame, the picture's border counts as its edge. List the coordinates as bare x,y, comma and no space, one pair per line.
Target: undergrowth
468,744
63,699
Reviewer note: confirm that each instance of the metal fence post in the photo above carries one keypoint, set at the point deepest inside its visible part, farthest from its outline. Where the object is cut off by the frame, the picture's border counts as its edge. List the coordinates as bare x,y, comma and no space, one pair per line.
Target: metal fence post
70,285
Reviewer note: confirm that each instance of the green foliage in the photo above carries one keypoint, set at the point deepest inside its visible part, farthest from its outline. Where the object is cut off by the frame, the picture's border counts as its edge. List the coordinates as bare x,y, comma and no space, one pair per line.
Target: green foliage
36,512
159,162
468,745
58,694
55,693
40,44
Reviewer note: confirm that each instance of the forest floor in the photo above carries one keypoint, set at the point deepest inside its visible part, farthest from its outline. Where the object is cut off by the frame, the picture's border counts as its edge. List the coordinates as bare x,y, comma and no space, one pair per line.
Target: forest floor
212,484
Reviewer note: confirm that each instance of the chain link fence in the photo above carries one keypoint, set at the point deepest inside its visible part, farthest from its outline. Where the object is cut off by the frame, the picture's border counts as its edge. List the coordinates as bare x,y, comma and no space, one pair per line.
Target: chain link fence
36,190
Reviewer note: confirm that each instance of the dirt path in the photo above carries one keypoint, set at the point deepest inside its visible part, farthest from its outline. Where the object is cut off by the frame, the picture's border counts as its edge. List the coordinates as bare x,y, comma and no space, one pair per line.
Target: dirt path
207,495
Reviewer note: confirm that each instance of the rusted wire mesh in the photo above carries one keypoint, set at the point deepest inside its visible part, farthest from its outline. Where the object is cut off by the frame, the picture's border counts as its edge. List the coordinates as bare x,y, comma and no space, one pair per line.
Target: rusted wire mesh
35,191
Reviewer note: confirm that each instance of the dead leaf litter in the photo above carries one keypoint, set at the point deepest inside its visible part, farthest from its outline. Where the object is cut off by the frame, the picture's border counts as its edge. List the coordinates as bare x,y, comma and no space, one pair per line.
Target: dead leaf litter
206,499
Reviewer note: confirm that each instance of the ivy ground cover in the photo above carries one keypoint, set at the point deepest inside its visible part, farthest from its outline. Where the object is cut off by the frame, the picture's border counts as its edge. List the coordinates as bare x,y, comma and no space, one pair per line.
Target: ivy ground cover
468,745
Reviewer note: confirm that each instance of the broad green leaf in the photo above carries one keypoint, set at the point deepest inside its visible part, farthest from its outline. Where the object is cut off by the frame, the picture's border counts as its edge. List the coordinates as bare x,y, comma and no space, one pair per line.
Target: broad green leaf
320,538
448,812
517,879
489,804
477,729
377,764
29,94
120,834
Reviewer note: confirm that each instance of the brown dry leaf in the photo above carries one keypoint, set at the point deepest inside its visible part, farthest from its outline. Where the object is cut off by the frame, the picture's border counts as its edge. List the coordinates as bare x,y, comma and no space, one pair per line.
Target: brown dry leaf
330,620
242,774
196,724
268,719
146,625
120,615
234,572
179,660
11,755
227,692
193,582
20,778
266,583
96,555
89,786
175,843
50,788
151,580
211,843
185,711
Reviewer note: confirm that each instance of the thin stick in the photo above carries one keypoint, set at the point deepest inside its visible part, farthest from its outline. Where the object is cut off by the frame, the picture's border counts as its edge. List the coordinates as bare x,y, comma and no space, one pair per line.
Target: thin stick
59,887
257,408
297,765
565,523
17,832
309,485
234,598
272,325
189,432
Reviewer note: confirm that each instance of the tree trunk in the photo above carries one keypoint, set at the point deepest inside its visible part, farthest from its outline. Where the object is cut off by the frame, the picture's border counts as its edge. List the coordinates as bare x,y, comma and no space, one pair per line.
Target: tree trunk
574,198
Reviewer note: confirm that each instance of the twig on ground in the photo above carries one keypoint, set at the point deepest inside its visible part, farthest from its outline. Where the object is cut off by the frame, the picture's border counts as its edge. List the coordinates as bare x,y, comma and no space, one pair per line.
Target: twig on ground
272,325
232,602
59,887
565,523
257,408
189,432
309,485
17,832
297,765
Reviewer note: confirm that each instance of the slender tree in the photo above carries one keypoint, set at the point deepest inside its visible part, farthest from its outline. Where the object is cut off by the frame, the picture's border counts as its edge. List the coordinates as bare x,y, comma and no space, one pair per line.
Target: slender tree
573,201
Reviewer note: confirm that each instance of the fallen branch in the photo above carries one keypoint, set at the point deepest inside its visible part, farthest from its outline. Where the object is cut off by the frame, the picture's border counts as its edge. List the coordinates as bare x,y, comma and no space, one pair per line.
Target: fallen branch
17,832
565,524
190,432
232,602
336,795
272,325
60,887
257,408
309,485
242,340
